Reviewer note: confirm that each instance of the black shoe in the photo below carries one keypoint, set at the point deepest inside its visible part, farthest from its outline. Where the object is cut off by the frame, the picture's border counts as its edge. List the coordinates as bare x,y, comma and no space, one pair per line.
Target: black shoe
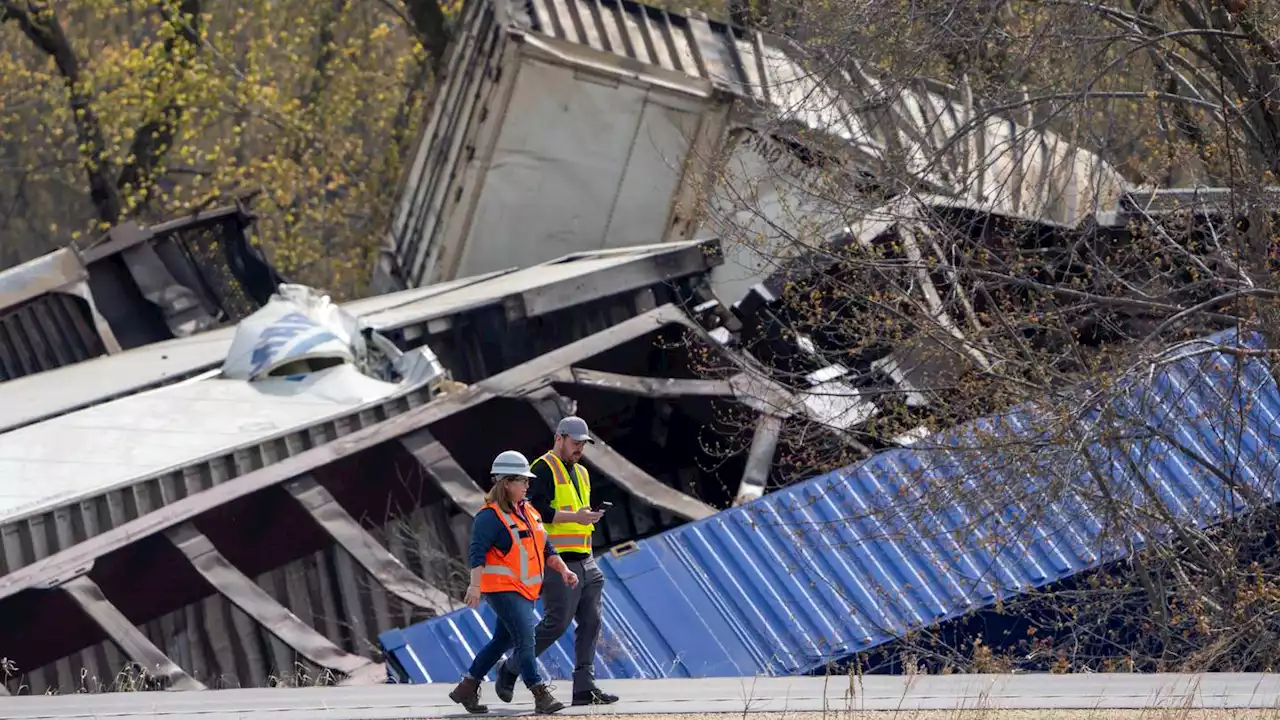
505,687
594,696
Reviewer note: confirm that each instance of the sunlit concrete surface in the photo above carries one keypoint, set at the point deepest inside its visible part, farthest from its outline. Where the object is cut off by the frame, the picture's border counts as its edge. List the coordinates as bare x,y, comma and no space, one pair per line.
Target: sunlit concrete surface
923,697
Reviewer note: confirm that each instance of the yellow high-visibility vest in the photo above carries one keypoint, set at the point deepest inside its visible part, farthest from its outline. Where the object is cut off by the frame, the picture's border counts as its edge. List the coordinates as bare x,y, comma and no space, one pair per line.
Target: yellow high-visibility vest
569,497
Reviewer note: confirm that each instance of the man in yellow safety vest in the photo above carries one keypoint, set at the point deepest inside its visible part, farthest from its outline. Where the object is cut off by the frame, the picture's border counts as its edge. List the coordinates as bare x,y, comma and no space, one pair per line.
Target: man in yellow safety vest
561,493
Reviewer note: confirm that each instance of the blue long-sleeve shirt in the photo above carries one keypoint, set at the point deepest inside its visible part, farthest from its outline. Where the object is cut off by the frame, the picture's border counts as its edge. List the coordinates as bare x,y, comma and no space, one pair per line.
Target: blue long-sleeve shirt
487,531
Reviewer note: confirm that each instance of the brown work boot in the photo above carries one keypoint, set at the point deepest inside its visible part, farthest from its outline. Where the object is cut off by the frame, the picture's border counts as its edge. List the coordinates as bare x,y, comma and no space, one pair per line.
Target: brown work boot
467,694
543,702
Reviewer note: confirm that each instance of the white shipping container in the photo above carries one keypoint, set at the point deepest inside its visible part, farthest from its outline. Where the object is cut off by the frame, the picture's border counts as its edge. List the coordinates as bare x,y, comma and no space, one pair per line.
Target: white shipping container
563,126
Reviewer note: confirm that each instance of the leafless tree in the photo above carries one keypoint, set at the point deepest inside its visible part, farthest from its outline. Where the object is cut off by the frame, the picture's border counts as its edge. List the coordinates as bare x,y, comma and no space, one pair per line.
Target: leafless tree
980,278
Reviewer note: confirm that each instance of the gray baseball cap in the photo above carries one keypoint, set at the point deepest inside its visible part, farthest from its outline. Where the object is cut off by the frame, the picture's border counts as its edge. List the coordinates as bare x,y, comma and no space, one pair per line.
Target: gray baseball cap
575,427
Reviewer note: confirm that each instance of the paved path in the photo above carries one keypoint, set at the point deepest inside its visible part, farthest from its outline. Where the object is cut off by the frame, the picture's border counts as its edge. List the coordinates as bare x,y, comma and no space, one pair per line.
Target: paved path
660,697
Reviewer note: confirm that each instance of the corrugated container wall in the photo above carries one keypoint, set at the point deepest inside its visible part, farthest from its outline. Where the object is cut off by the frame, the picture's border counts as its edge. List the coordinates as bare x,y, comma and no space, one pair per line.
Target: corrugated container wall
48,316
481,327
446,150
845,562
571,125
223,647
203,633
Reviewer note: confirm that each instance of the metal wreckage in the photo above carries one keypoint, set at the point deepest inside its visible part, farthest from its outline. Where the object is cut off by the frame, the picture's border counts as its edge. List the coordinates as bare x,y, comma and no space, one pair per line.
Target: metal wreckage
212,478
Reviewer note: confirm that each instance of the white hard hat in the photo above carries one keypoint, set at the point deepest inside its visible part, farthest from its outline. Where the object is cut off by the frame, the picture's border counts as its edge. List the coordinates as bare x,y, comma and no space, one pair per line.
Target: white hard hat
511,462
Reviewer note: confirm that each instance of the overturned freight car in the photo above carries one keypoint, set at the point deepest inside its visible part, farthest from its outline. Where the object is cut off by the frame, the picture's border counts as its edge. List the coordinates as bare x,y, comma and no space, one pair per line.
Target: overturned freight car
934,266
133,286
569,125
239,530
819,573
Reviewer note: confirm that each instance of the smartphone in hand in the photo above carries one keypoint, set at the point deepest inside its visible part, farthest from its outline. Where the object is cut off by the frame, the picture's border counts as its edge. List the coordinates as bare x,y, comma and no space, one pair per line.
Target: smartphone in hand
603,506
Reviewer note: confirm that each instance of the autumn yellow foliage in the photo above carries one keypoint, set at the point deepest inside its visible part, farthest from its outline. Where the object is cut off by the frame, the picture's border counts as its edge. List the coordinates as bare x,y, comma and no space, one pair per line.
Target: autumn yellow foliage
172,106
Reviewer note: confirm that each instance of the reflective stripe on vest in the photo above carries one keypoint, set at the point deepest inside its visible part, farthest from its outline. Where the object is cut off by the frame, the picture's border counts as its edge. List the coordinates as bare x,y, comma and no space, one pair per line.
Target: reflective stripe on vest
528,581
568,536
571,541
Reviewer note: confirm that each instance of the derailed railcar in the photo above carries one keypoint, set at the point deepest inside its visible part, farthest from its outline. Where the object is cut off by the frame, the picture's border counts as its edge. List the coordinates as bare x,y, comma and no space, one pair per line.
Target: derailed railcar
478,325
817,577
796,322
288,553
572,125
134,286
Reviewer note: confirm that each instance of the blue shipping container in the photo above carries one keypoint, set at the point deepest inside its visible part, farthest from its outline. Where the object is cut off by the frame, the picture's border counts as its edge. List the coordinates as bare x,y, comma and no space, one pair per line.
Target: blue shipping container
851,560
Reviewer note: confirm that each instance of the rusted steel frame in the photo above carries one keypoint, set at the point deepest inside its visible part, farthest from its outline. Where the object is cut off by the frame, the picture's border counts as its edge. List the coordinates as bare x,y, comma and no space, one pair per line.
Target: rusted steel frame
646,386
638,483
78,559
246,594
764,443
751,385
393,576
135,645
443,468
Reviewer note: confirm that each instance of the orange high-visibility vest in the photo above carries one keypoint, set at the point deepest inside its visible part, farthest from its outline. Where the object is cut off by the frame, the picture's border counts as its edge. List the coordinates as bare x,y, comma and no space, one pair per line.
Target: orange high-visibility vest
520,568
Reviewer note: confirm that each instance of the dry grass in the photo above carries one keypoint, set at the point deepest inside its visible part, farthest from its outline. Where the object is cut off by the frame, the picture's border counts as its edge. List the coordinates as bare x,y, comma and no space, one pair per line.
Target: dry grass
990,714
133,678
1170,711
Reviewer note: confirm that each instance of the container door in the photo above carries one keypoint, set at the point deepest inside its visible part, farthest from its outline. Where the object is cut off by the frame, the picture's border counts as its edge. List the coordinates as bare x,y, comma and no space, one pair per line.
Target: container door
654,168
555,171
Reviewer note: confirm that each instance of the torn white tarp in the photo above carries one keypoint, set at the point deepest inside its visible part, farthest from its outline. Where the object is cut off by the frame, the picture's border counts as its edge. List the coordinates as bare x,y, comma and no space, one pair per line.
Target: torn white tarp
297,328
301,331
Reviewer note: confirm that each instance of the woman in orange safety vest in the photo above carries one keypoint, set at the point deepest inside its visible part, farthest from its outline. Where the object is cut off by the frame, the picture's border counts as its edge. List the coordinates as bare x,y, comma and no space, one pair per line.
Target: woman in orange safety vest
509,554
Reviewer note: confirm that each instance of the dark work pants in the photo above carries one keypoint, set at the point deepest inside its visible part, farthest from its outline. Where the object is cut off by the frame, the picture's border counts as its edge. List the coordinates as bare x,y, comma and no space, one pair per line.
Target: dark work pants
562,604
